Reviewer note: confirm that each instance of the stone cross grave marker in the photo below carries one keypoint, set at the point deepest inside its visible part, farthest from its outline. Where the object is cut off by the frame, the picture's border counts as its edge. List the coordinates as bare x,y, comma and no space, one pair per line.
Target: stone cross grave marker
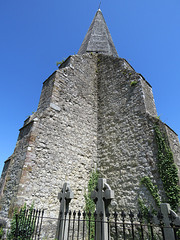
166,211
102,197
168,217
64,197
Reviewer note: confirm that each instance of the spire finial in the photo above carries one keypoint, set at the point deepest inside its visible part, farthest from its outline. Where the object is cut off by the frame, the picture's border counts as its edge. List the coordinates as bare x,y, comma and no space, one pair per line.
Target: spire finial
99,5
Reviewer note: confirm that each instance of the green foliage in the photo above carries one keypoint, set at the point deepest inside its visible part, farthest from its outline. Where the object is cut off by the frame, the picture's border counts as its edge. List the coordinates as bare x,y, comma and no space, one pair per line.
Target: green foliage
167,169
133,83
158,118
23,225
89,203
168,173
153,189
169,176
144,210
145,214
178,234
1,232
59,63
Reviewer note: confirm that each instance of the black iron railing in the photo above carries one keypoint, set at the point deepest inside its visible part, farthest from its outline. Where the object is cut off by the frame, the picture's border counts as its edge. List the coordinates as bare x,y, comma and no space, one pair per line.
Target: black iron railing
77,225
82,225
26,225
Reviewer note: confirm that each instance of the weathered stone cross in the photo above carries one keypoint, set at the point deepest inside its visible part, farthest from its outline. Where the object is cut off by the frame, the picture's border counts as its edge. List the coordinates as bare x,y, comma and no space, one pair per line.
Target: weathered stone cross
102,196
167,228
64,197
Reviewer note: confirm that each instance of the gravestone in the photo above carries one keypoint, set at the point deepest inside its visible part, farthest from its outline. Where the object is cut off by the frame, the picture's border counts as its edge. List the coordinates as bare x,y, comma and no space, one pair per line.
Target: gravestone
64,197
102,197
169,217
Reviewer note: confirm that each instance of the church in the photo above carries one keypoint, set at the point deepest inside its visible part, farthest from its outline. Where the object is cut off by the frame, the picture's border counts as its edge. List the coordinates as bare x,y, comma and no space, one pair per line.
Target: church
95,113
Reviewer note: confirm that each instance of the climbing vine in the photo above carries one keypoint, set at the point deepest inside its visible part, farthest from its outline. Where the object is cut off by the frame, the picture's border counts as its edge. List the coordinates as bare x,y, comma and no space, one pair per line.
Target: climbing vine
167,170
168,173
153,189
89,203
143,208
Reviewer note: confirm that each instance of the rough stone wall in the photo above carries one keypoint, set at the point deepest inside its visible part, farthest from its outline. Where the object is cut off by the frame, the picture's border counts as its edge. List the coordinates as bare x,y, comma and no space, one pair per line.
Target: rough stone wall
127,148
148,98
61,145
95,109
46,93
13,173
175,146
4,175
65,146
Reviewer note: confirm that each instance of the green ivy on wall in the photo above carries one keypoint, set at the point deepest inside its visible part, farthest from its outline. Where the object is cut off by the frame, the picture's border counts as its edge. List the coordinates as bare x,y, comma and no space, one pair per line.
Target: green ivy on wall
168,173
167,169
143,208
89,203
153,189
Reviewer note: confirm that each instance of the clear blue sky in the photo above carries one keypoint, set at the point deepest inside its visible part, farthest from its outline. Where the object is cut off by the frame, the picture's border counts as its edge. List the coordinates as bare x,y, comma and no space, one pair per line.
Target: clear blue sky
35,34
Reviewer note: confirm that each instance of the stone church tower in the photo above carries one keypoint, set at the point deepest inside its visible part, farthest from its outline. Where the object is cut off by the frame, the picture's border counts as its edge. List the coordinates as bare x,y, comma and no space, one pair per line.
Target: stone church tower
95,111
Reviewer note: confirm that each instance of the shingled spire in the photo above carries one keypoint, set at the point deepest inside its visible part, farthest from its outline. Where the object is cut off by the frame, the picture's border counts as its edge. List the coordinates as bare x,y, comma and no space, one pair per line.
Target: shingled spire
98,38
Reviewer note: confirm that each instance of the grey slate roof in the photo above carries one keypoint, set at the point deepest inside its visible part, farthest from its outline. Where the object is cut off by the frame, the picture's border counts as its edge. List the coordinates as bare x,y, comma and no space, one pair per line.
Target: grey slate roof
98,38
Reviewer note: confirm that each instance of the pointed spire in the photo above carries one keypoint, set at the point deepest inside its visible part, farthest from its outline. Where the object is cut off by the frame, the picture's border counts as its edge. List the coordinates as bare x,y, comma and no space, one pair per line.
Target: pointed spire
98,38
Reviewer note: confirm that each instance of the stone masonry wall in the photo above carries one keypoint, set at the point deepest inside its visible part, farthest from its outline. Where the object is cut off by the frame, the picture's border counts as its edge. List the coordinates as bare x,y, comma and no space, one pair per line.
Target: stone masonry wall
174,145
13,174
148,98
4,175
95,109
127,149
63,141
46,93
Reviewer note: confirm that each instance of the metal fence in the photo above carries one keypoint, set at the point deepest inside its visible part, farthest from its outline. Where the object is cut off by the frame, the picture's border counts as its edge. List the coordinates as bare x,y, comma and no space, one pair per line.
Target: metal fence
82,225
25,225
100,225
77,225
104,226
